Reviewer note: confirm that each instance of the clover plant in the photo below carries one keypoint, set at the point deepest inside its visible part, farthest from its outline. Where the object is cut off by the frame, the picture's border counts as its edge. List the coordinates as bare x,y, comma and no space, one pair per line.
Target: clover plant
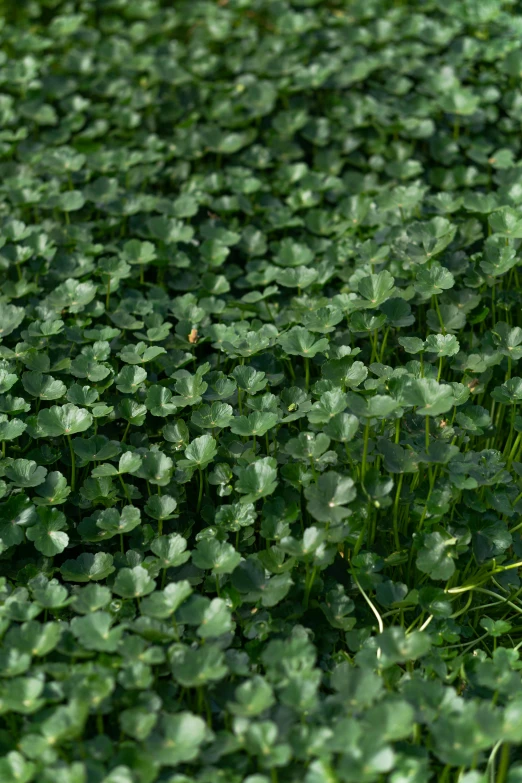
260,389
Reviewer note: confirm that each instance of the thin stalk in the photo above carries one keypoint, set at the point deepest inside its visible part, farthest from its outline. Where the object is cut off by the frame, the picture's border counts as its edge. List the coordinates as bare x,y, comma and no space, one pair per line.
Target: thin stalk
373,340
384,341
503,766
514,451
439,315
365,448
307,372
108,295
517,609
507,447
124,487
483,579
359,541
125,432
73,463
372,607
200,495
444,778
465,607
396,511
490,767
310,579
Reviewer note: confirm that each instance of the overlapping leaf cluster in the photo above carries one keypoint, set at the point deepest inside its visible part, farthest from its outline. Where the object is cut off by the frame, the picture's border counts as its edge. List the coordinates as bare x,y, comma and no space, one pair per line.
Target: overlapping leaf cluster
261,471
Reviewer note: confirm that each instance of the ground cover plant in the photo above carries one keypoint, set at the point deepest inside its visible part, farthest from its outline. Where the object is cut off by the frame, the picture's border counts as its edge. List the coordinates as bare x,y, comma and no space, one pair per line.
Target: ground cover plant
260,377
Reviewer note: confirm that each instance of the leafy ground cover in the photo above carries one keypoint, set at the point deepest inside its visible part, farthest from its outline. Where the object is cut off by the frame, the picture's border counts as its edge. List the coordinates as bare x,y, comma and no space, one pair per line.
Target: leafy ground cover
261,470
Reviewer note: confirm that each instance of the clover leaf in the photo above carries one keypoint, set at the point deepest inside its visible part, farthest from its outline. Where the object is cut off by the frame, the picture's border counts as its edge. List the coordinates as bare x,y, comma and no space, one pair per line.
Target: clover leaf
133,582
66,419
300,342
177,739
327,499
87,567
257,480
199,453
47,534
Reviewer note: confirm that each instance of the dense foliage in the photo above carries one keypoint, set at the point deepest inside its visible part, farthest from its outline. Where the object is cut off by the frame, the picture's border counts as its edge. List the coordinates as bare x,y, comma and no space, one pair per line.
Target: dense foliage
261,470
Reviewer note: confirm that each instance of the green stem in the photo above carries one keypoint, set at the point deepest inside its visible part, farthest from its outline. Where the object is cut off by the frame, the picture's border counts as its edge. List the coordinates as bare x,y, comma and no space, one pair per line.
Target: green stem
504,764
310,579
124,487
396,511
108,296
384,341
514,450
360,539
507,447
373,341
200,495
125,432
307,372
365,449
73,463
439,315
